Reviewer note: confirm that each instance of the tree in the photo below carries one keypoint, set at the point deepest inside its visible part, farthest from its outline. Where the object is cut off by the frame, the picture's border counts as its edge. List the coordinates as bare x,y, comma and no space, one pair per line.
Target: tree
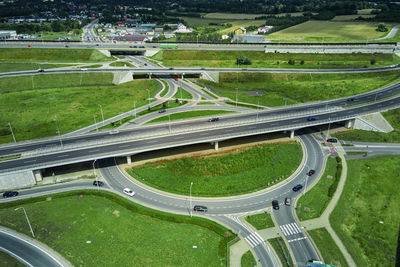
291,61
382,28
373,61
302,62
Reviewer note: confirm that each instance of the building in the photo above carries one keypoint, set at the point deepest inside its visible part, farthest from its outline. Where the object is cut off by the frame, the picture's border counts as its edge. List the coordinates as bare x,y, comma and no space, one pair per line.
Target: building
131,38
264,29
8,35
148,27
182,29
240,30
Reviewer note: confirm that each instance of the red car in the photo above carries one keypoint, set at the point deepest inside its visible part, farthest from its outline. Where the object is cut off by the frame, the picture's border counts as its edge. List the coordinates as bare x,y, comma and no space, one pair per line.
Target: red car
176,79
29,46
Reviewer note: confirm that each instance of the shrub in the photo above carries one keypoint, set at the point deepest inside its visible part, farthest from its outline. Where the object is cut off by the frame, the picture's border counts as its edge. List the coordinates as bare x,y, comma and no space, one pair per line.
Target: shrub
373,61
291,61
302,62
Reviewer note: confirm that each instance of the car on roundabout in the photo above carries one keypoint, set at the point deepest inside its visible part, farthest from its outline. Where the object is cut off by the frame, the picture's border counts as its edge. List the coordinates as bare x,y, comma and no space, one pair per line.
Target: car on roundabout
310,172
297,187
200,208
275,204
128,192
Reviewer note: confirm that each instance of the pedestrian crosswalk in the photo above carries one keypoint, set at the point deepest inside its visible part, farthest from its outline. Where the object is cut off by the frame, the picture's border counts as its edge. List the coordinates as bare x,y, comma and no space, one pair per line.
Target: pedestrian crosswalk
254,239
290,229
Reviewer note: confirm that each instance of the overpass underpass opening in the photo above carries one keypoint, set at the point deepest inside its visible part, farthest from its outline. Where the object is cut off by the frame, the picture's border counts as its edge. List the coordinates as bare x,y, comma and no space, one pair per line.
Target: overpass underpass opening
127,52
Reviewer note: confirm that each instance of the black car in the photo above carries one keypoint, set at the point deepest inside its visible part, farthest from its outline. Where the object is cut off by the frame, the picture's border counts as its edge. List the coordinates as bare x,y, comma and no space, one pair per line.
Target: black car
10,194
310,172
162,111
350,99
171,68
98,183
213,119
331,140
275,204
40,70
311,118
297,187
200,208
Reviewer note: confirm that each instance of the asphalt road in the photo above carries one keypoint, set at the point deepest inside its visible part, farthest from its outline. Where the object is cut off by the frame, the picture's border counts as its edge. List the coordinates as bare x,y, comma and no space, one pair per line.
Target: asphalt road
27,253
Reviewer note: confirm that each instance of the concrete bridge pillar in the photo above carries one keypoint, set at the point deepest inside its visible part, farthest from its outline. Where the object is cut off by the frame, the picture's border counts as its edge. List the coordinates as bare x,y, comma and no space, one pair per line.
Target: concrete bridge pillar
291,134
129,160
350,123
182,75
150,76
216,146
38,175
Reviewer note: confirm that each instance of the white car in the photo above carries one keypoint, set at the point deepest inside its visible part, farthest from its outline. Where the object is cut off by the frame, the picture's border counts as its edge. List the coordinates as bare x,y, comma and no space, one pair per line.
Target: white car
129,192
113,132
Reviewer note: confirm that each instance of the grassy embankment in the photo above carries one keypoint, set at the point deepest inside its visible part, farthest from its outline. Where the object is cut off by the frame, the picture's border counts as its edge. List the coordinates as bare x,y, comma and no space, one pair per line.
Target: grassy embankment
121,64
191,114
367,216
81,224
260,221
260,59
51,55
392,116
32,103
313,204
283,253
7,260
239,172
276,89
248,260
329,31
328,248
9,67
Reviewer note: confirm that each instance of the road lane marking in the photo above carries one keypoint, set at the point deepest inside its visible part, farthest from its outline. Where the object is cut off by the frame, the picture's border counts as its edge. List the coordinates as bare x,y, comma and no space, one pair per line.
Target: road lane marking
297,239
151,142
62,156
28,161
96,150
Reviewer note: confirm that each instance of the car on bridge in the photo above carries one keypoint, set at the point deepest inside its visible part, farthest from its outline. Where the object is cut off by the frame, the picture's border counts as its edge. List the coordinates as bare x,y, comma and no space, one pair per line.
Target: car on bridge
10,194
213,119
297,187
311,118
200,208
98,183
113,132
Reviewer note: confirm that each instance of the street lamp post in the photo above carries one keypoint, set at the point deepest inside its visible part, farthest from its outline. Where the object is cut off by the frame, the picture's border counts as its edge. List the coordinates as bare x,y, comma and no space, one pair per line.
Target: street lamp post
101,110
29,223
95,123
236,95
9,124
329,126
190,198
148,96
94,172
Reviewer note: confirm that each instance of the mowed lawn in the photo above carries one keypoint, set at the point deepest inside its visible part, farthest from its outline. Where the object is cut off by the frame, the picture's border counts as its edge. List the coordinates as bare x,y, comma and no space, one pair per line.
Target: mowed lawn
51,55
328,31
239,172
102,229
392,116
367,216
260,59
276,89
8,67
33,104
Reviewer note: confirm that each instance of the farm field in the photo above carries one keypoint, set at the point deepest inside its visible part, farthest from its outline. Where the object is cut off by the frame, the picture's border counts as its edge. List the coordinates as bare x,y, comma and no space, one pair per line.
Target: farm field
241,171
56,55
329,31
36,104
260,59
278,89
81,224
239,16
369,224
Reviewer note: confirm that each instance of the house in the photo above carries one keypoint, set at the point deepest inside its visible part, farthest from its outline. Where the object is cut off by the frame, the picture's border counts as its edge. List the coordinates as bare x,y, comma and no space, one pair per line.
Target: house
240,30
264,29
181,28
224,37
8,35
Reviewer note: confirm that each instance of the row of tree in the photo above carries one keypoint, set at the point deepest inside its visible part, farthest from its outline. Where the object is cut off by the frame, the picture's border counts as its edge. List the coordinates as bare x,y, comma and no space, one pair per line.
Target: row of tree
54,26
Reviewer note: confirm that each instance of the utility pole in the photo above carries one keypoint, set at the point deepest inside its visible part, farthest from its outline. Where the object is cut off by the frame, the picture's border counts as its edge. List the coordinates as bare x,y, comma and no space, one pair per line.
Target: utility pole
27,219
101,110
9,124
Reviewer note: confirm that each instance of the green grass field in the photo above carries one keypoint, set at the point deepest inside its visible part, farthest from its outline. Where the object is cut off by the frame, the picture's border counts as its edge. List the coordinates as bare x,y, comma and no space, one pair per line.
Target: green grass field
8,67
191,114
32,109
91,228
121,64
367,216
239,172
281,88
259,59
260,221
248,260
315,201
7,260
51,55
241,23
392,116
328,248
328,31
283,253
182,94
